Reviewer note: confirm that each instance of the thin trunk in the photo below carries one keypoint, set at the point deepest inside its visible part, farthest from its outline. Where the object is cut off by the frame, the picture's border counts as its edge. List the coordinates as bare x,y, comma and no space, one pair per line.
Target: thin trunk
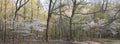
31,19
31,14
24,18
38,8
5,21
1,18
55,29
14,23
70,29
60,23
13,32
73,12
74,32
24,12
48,20
1,7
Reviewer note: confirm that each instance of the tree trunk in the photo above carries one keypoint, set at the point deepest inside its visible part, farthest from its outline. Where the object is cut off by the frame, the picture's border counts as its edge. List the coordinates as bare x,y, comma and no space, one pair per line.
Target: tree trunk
73,13
5,21
48,20
60,23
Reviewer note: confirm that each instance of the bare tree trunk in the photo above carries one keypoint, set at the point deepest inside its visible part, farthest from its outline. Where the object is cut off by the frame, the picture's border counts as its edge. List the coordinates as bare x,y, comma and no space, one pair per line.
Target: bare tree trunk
60,22
48,20
31,15
5,21
74,32
55,26
1,7
16,13
38,8
24,17
73,12
1,25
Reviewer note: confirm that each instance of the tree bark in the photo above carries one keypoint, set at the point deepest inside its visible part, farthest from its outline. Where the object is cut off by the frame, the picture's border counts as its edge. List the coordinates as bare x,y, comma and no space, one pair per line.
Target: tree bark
48,20
73,13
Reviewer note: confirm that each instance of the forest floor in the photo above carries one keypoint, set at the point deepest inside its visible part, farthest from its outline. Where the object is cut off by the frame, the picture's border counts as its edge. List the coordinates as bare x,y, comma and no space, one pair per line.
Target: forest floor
100,41
21,40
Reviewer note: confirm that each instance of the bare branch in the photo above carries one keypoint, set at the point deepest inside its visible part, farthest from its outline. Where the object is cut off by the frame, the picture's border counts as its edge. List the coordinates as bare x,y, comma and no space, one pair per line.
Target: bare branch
19,7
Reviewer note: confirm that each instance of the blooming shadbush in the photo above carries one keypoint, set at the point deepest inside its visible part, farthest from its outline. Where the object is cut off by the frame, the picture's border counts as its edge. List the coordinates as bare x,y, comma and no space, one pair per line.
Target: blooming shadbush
23,27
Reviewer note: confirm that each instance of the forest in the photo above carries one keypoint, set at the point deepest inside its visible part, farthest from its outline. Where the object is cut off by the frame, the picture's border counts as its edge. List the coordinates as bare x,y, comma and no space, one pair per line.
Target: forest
59,21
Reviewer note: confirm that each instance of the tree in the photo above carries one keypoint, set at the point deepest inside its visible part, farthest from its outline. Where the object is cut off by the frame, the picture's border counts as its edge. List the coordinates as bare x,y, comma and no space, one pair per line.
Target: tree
48,19
5,21
18,7
73,13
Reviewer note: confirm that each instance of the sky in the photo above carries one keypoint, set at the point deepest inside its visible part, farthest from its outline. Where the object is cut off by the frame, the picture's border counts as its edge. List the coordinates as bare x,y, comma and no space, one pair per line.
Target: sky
44,3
